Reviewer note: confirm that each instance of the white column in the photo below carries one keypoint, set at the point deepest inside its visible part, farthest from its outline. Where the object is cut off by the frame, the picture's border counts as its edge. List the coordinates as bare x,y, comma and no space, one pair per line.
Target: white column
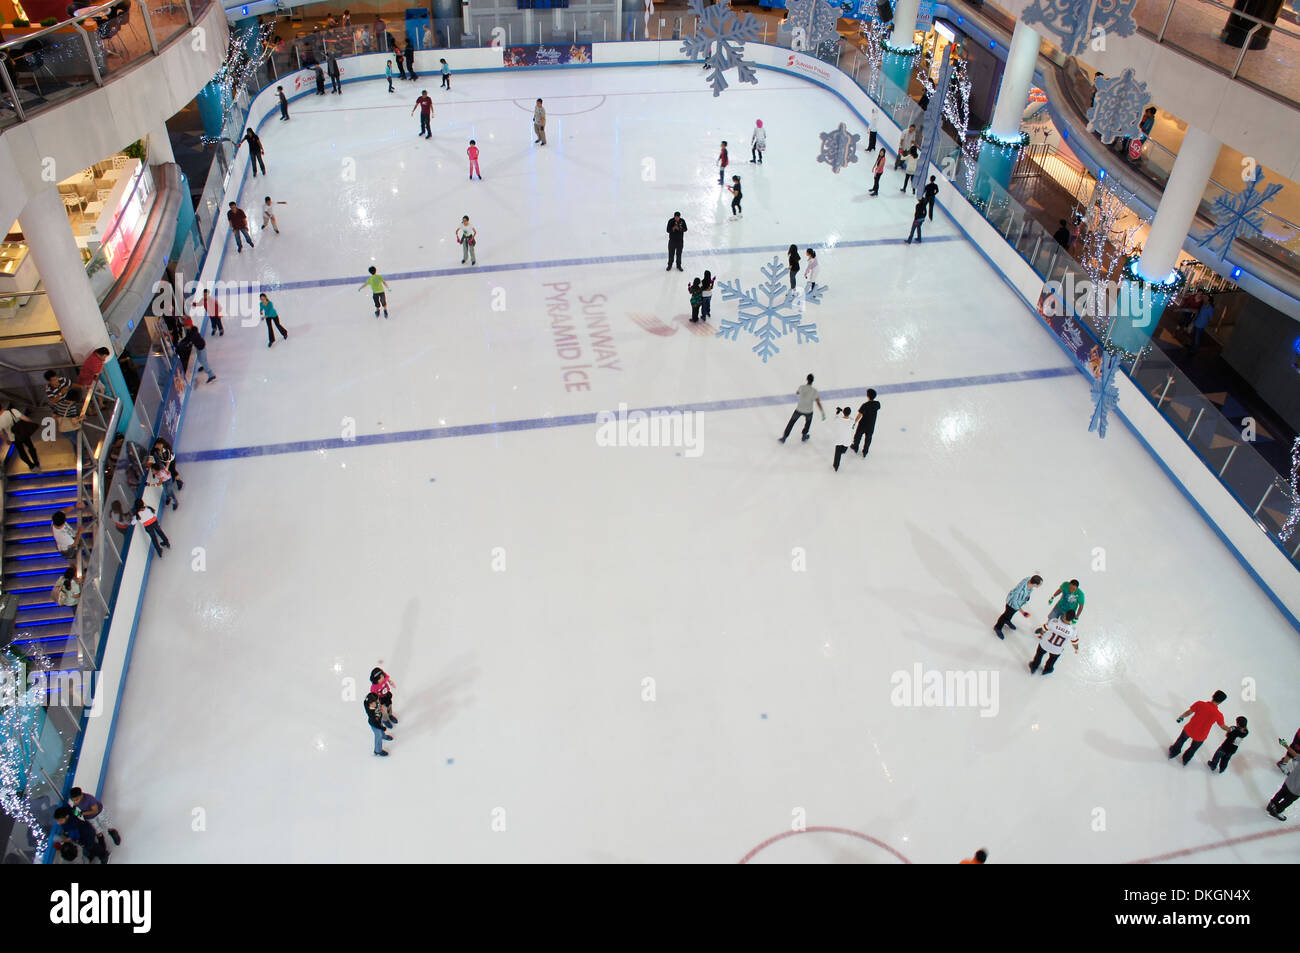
160,146
63,274
1178,203
905,22
1017,77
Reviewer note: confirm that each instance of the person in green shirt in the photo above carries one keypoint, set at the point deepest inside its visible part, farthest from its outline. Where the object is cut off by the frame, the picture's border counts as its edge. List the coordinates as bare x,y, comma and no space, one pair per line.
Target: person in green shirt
1071,600
378,286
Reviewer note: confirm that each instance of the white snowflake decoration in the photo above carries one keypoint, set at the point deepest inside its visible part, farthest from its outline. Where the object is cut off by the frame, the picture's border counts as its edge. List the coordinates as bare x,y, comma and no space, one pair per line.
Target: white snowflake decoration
770,311
839,148
1118,108
720,37
1075,23
812,23
1238,215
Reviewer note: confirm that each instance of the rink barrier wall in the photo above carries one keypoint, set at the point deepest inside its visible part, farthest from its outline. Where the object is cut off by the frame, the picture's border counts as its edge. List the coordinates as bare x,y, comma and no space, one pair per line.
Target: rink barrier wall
1267,565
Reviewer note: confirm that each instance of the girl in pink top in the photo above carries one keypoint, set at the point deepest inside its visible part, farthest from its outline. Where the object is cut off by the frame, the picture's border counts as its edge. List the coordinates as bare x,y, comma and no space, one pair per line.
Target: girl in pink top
878,171
383,686
472,152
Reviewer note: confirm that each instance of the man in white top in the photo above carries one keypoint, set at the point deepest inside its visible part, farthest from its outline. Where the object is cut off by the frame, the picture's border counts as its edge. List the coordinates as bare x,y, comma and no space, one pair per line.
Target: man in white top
65,537
1052,642
807,397
843,434
905,142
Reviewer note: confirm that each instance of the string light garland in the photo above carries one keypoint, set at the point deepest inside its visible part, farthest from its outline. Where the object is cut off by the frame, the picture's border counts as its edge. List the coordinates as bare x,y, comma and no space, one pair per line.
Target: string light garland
956,108
1005,144
874,33
1293,518
1169,287
910,50
20,707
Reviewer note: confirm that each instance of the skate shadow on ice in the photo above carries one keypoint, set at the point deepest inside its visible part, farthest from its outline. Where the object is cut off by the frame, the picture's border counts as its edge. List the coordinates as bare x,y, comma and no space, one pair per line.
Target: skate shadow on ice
1141,706
434,706
950,573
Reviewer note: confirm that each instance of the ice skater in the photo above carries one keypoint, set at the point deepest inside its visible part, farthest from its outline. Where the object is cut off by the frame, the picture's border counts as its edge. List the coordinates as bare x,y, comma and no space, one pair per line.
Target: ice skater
161,477
1053,637
706,293
425,105
734,189
866,421
375,718
697,299
335,74
1068,595
723,161
1017,599
382,686
931,192
388,74
466,237
163,452
676,239
877,170
871,133
1286,796
147,517
272,320
905,142
909,170
446,74
378,290
1223,754
284,103
757,143
539,124
810,269
192,342
208,305
409,53
808,396
79,831
1292,752
268,214
792,256
918,219
843,434
92,811
239,225
472,152
1204,716
320,79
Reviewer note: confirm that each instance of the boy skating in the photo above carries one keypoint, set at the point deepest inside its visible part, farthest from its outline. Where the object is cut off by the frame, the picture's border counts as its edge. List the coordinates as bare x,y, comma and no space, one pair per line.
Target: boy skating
1052,643
807,395
378,291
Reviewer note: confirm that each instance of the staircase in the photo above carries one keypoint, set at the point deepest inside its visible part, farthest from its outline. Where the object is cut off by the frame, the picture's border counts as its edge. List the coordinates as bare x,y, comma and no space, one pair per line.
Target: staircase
32,564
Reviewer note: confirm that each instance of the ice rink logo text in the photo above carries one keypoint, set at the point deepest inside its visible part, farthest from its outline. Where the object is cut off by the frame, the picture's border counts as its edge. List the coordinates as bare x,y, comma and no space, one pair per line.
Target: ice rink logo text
653,428
945,689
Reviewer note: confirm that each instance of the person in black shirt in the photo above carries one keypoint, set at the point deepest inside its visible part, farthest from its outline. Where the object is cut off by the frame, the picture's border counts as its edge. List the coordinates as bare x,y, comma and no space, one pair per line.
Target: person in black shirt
918,216
284,103
254,151
931,191
375,717
1062,234
320,79
735,194
676,239
793,257
336,75
409,53
866,422
79,831
1229,747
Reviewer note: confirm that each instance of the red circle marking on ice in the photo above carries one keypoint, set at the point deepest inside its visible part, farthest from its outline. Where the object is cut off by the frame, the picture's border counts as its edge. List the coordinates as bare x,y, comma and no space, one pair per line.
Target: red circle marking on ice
823,830
1231,841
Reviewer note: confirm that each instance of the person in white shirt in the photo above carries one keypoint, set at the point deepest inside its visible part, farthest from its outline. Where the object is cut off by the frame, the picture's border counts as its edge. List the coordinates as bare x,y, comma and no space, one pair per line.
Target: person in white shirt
1052,642
147,517
909,170
810,268
842,433
160,476
18,428
905,142
67,592
758,142
465,237
807,395
871,133
65,537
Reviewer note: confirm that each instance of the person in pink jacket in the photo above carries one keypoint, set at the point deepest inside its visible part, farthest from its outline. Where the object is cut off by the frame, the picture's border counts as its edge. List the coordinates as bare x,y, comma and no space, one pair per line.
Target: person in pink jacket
878,170
382,686
472,152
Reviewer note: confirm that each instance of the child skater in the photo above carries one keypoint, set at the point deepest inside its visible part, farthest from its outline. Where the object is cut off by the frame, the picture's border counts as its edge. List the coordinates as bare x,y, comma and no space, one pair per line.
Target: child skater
706,295
734,188
758,143
697,299
268,214
843,434
472,152
382,686
1229,747
810,270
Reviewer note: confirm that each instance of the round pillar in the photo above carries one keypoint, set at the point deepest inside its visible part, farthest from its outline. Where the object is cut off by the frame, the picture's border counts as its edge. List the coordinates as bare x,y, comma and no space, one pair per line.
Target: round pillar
1178,204
1017,77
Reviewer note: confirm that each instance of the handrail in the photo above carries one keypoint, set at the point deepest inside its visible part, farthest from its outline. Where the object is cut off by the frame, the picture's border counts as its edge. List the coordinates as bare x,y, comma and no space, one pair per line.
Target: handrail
75,21
1231,11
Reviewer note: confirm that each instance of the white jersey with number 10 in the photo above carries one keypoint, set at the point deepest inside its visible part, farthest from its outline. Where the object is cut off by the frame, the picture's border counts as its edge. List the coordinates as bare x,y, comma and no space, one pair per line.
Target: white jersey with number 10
1055,635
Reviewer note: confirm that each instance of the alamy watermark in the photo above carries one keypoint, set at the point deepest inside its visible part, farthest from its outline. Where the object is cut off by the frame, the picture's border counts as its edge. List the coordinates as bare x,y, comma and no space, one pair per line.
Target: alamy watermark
234,299
947,688
651,428
1085,298
52,690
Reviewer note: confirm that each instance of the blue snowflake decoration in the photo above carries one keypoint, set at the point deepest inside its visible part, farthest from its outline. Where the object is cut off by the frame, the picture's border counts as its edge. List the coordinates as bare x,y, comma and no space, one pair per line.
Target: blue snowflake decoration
839,148
812,23
720,38
1105,395
770,311
1238,215
1118,108
1074,22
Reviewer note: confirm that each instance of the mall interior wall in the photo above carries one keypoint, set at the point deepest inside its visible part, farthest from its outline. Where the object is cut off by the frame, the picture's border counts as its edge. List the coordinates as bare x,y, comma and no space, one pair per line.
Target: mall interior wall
1263,349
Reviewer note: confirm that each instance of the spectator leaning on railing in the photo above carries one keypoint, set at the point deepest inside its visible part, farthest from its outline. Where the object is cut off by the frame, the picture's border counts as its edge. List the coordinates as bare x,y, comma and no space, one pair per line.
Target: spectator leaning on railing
60,395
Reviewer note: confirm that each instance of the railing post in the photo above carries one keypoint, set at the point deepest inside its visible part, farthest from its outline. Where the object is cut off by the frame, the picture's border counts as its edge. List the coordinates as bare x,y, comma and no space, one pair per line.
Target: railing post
1245,46
148,25
1160,38
90,54
1222,469
189,12
1199,414
13,93
1260,505
1169,382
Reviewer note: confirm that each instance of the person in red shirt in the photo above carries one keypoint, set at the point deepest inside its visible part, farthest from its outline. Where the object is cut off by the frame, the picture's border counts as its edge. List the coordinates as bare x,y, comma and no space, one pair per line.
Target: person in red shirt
1204,716
425,105
93,366
723,161
980,857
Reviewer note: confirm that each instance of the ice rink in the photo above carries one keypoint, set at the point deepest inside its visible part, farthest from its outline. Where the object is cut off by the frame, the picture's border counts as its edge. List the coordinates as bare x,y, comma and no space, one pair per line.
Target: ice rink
630,653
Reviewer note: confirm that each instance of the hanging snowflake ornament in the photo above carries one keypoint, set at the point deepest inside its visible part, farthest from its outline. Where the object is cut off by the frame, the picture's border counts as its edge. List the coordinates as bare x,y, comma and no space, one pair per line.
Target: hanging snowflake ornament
770,311
1105,395
720,37
1239,215
1077,23
812,23
1118,108
839,148
1293,518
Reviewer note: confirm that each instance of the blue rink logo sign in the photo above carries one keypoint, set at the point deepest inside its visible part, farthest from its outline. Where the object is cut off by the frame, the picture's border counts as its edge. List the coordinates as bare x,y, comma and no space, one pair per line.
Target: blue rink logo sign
945,688
658,427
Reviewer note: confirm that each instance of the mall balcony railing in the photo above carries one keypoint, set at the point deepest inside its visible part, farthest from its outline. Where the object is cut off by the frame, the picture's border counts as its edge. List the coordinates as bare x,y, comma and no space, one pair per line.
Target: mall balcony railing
41,69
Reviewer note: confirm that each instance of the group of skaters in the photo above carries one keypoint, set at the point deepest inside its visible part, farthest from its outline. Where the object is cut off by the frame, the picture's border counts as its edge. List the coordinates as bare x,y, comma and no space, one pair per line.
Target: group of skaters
1067,604
379,709
82,830
851,434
